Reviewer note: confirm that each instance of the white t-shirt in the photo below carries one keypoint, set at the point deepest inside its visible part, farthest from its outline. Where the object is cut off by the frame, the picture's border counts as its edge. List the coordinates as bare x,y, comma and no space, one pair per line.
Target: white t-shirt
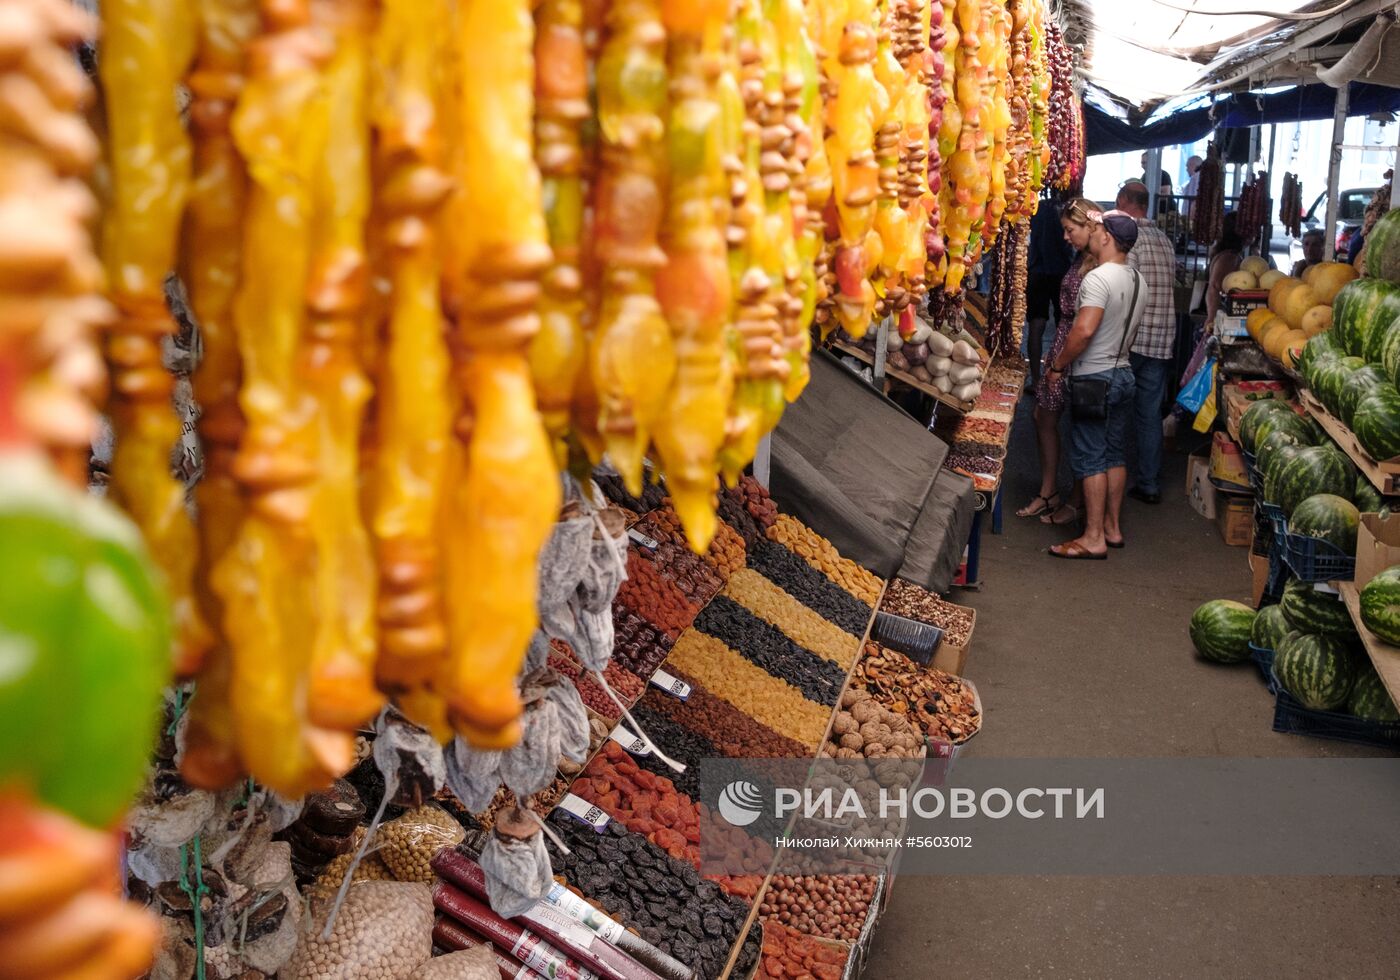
1110,288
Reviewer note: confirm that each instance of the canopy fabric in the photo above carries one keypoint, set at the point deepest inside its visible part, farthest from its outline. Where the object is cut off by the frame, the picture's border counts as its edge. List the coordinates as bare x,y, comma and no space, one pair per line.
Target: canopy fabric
1106,133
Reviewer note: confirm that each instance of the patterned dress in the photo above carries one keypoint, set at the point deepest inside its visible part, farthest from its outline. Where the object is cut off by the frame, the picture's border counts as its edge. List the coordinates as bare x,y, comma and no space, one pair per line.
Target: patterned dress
1050,395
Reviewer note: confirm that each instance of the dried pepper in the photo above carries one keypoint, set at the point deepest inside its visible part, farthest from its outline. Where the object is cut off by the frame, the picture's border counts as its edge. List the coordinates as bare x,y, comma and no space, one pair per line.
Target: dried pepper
632,358
503,491
693,286
147,45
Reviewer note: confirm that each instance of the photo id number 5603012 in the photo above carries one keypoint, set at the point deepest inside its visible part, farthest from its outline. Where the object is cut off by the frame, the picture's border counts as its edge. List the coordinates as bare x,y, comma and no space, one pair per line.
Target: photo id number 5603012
937,842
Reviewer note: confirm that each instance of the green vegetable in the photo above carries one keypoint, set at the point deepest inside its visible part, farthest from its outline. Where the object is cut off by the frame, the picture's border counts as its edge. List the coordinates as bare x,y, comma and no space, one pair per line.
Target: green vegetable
1220,630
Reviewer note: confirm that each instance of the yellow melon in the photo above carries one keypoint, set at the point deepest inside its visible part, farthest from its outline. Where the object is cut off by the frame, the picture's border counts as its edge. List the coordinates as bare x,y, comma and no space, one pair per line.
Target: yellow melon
1279,292
1328,278
1296,304
1258,316
1317,320
1270,333
1255,265
1267,280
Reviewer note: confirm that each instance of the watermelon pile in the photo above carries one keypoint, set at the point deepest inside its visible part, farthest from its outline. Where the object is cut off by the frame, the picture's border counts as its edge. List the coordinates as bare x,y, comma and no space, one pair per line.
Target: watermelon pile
1270,627
1310,611
1370,700
1318,670
1354,369
1329,518
1221,629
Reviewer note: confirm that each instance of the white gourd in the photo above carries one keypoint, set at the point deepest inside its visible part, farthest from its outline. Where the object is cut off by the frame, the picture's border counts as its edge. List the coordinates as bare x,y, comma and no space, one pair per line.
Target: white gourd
938,365
939,344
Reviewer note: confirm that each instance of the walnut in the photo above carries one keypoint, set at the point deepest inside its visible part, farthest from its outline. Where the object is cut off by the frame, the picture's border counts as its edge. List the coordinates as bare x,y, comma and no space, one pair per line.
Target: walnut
852,740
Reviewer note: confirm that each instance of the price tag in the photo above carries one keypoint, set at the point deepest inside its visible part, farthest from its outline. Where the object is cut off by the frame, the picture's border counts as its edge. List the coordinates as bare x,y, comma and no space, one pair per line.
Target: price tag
584,812
642,540
632,743
671,685
580,911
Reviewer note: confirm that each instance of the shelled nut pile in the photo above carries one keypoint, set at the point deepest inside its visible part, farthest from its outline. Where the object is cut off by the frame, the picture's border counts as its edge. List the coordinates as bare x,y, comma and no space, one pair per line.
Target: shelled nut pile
914,602
831,906
822,555
939,703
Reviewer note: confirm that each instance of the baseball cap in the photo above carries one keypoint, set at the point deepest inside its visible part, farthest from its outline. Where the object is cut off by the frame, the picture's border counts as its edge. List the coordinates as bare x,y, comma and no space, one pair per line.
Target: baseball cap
1123,228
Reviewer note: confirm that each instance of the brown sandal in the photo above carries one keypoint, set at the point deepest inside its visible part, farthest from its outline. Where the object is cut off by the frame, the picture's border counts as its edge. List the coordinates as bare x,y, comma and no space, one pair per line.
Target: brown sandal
1074,551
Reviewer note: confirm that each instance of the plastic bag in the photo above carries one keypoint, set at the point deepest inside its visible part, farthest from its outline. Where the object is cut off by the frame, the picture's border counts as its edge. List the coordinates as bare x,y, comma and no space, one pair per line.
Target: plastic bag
407,845
516,864
1202,385
384,931
478,963
1205,416
473,775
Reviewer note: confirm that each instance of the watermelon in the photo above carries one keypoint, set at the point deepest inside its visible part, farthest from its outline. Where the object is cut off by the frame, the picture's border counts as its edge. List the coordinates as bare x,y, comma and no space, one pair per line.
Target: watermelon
1312,470
1319,671
1311,611
1289,421
1370,700
1376,422
1255,414
1360,307
1327,517
1316,352
1280,452
1220,630
1319,434
1358,386
1332,378
1383,348
1380,605
1383,248
1270,627
1368,498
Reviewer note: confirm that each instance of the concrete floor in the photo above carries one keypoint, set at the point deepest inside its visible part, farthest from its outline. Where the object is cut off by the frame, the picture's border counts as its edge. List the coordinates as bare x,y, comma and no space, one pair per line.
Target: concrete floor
1056,683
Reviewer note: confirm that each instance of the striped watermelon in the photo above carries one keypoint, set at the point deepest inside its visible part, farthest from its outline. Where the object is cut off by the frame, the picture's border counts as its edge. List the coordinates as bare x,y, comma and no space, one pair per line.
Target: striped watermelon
1332,519
1312,470
1332,378
1311,611
1289,421
1376,422
1317,351
1383,248
1380,605
1370,700
1220,630
1254,415
1382,339
1368,498
1278,455
1358,386
1360,306
1319,671
1319,434
1270,627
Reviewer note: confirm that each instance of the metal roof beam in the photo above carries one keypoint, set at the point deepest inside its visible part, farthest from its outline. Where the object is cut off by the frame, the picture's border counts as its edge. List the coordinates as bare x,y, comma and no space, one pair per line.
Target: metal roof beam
1311,36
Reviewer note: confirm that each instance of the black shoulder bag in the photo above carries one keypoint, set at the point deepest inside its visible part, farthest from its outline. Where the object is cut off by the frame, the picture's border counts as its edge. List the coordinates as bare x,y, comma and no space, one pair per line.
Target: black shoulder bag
1088,397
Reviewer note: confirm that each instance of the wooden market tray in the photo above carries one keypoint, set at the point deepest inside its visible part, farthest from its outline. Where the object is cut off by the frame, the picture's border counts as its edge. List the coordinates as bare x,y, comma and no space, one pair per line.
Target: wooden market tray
1383,474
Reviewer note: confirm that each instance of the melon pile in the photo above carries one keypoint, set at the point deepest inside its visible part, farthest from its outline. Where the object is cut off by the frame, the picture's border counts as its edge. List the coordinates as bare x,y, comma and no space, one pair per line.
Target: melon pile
1298,309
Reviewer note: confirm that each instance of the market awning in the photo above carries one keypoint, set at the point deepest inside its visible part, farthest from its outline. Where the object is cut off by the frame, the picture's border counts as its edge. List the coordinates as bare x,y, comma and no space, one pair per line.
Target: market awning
1148,52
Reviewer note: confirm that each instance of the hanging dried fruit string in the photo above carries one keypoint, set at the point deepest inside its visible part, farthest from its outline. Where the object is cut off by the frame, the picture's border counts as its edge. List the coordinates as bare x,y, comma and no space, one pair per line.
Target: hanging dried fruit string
938,80
502,486
632,356
910,37
891,219
265,578
147,45
693,286
211,255
342,692
756,340
1065,147
557,354
412,410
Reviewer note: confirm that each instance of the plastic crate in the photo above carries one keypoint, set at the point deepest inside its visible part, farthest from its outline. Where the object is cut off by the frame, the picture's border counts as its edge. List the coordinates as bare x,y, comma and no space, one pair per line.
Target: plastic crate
1315,560
917,641
1292,718
1256,479
1264,659
1276,518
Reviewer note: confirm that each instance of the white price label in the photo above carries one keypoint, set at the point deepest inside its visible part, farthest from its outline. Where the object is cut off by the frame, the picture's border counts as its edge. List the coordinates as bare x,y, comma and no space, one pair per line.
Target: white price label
585,812
671,685
642,540
1326,588
628,741
576,908
559,926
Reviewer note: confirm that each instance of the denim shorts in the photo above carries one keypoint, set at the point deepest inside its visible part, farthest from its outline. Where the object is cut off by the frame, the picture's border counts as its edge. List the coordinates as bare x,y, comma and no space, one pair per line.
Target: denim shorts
1101,445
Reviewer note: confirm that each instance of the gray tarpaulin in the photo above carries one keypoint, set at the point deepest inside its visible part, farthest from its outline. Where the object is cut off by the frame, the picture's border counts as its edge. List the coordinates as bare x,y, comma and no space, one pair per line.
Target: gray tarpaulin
861,472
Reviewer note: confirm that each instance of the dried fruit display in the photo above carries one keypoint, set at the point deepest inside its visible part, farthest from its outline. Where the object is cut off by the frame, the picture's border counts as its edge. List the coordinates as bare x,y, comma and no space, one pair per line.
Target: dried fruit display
765,645
725,728
1290,208
941,705
830,906
822,555
789,953
1065,172
645,803
771,604
809,586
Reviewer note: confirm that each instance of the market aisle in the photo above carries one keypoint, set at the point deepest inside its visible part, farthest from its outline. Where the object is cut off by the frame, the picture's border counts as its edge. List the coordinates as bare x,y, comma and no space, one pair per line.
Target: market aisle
1091,659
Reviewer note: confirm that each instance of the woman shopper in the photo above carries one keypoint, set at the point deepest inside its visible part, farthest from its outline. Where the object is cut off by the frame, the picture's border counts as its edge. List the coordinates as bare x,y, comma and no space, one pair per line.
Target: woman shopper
1095,364
1050,395
1225,257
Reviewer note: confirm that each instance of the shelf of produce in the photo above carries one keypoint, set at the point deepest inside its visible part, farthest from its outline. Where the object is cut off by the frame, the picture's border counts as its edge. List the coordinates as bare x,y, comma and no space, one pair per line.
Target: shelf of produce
1385,475
772,870
903,377
986,424
1385,657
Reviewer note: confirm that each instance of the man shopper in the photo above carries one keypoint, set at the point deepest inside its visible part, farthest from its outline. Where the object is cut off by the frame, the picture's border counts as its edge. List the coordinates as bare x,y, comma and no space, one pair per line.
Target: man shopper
1154,347
1095,360
1313,243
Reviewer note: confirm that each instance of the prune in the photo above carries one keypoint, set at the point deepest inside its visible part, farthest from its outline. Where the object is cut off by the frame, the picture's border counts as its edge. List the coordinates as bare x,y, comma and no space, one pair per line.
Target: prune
760,642
809,586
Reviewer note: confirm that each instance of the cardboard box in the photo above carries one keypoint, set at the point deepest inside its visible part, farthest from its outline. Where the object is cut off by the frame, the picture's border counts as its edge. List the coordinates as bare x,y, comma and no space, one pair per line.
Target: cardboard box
1199,490
1377,545
952,657
1234,515
1259,571
1227,462
1231,326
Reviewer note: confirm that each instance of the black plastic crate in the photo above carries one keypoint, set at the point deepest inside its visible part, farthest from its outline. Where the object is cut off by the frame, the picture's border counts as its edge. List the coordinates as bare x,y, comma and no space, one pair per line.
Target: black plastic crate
917,641
1264,659
1292,718
1315,560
